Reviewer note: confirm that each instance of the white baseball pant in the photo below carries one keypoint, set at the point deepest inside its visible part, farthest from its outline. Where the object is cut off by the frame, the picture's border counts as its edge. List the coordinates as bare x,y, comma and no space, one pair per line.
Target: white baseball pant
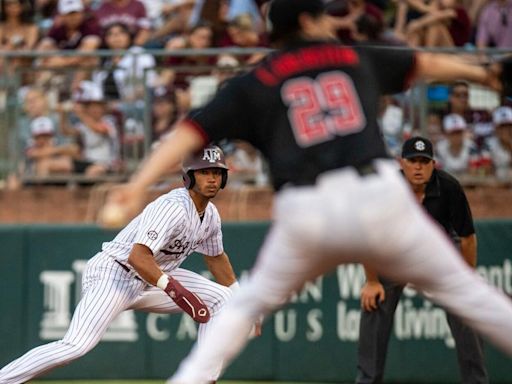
347,218
107,291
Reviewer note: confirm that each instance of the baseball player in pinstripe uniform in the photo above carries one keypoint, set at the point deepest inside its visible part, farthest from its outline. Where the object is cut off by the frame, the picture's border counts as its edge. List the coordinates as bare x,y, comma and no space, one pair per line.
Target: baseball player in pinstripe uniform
139,270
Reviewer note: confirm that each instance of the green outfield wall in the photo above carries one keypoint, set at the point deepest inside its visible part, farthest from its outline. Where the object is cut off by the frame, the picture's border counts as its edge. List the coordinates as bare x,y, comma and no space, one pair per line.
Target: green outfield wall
311,339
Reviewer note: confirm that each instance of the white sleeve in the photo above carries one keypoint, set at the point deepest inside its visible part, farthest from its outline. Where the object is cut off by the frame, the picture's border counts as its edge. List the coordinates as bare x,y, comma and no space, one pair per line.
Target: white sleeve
158,222
212,245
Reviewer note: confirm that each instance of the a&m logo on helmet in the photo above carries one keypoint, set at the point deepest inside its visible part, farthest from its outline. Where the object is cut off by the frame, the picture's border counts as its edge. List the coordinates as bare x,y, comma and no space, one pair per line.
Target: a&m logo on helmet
211,155
419,145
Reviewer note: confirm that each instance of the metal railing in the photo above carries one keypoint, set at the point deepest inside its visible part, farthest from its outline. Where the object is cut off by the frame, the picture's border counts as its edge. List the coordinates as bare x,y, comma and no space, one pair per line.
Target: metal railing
137,134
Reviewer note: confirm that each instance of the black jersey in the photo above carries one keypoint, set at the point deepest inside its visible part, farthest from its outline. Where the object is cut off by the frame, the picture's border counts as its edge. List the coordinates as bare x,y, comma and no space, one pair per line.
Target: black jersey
446,202
309,108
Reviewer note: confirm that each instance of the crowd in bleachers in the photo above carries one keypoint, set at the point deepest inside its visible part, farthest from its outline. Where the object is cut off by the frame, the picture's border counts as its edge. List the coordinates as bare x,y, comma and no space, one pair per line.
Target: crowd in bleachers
91,113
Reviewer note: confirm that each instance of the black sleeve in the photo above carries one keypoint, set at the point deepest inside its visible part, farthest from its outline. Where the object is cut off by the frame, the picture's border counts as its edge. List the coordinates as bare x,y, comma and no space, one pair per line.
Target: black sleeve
226,115
393,67
460,213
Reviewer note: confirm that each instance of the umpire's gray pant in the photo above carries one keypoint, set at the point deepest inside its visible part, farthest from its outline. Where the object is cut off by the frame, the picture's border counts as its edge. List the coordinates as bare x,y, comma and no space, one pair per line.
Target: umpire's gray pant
375,330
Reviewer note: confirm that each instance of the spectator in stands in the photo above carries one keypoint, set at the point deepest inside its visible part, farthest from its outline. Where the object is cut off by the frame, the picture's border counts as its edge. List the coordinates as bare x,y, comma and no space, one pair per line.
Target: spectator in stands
434,129
391,119
44,156
176,23
129,12
35,104
122,76
442,23
95,130
243,33
246,165
227,11
346,14
495,25
500,144
200,37
478,120
157,11
17,30
227,66
164,112
76,30
457,153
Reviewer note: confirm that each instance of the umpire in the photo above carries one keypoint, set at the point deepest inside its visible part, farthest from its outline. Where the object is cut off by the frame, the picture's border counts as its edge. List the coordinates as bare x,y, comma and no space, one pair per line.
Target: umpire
444,199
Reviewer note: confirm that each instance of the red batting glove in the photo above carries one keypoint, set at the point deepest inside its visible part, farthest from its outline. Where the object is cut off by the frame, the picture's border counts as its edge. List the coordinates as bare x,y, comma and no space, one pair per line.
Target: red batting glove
188,301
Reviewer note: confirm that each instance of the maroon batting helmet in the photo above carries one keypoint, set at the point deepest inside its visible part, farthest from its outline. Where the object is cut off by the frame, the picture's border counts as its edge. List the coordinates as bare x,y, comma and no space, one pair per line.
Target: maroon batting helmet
210,156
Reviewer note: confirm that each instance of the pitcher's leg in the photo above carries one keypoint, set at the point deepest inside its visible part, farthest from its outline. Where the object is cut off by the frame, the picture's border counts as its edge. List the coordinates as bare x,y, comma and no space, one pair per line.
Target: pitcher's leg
424,256
281,269
470,354
374,332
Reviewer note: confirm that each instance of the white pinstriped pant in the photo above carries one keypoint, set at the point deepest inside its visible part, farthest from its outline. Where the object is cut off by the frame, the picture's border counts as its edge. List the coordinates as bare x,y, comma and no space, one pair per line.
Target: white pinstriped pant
107,291
347,218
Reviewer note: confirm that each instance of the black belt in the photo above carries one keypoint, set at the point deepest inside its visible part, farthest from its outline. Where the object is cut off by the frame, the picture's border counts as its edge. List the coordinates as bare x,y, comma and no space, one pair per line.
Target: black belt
365,169
362,170
126,268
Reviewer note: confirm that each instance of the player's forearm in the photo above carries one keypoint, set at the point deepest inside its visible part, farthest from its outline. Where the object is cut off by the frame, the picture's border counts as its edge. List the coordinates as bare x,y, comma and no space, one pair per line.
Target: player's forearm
444,67
468,246
371,273
221,269
168,155
142,260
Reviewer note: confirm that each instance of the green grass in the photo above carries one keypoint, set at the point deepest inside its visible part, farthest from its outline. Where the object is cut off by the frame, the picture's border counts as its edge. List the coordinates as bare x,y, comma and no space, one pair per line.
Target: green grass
151,382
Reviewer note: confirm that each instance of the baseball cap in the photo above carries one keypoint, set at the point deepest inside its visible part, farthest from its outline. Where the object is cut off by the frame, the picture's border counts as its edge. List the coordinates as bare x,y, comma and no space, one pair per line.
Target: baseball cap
417,146
454,123
69,6
87,92
42,126
502,116
283,15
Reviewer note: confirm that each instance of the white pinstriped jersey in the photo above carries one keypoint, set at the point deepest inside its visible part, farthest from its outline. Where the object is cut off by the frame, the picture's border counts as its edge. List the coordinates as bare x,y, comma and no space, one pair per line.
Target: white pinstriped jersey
171,228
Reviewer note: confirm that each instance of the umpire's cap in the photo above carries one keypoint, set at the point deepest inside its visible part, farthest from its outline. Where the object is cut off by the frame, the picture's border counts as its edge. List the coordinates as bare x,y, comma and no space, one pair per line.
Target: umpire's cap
283,15
417,147
210,156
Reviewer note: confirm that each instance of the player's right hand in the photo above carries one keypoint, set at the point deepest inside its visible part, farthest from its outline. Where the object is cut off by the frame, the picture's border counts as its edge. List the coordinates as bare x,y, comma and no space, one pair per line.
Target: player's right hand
122,204
372,293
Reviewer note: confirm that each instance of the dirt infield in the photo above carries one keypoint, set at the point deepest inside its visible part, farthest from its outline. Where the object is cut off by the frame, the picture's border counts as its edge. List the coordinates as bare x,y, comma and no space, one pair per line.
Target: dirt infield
44,204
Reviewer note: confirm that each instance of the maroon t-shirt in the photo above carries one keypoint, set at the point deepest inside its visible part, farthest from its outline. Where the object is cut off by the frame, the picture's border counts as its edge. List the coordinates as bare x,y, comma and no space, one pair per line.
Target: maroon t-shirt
64,40
133,15
460,27
183,75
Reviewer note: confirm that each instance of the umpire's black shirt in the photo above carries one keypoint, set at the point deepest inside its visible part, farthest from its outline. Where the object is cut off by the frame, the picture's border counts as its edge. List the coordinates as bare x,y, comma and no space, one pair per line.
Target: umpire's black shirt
446,202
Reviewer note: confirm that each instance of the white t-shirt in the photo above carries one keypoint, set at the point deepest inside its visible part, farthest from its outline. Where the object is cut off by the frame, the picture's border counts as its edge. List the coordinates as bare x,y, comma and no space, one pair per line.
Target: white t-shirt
129,72
501,157
100,148
456,163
